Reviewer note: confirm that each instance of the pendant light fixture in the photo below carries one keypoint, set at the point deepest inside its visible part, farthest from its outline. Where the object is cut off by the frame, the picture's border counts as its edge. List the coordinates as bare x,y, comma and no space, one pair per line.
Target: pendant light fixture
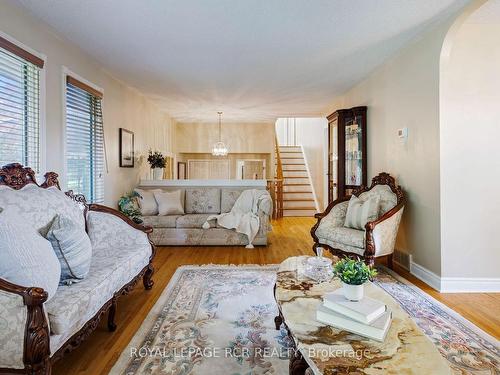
220,149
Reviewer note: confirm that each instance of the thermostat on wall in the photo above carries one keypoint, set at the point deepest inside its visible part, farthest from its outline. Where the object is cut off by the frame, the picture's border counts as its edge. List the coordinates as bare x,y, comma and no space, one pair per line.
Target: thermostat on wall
403,133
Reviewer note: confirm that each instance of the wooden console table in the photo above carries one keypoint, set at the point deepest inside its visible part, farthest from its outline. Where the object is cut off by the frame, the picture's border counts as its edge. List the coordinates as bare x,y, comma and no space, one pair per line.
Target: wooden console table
322,349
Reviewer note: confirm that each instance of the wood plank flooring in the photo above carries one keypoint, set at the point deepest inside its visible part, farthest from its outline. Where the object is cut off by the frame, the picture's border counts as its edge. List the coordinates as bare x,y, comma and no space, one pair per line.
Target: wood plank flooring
290,237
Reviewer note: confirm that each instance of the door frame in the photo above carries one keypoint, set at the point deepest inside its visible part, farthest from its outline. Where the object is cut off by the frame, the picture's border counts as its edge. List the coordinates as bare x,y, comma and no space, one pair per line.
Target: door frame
240,163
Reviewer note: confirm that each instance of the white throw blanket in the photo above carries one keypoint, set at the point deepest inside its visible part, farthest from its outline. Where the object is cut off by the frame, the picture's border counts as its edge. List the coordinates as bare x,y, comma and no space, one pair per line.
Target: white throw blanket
243,217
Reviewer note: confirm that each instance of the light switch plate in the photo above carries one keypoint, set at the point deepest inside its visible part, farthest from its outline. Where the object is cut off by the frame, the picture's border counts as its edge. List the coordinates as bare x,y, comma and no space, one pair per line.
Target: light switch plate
403,133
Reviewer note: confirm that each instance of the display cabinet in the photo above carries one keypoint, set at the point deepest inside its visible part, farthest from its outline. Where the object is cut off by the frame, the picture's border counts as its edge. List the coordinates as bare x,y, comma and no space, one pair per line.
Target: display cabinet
346,152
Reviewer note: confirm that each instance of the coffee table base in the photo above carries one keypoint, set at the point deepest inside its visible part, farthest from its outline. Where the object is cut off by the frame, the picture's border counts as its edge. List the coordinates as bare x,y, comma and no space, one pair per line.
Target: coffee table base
298,365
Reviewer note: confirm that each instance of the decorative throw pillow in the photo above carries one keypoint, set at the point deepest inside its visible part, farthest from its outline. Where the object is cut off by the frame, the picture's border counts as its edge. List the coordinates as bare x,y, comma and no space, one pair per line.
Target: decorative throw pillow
360,212
26,258
147,202
169,202
72,246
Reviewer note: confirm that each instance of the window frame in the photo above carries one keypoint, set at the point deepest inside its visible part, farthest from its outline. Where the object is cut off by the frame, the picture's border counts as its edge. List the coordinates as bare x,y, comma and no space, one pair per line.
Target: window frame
42,113
65,73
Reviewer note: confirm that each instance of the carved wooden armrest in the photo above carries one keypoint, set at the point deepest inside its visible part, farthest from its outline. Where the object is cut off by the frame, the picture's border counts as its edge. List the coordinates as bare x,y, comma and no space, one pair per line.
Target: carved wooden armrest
111,211
28,329
320,216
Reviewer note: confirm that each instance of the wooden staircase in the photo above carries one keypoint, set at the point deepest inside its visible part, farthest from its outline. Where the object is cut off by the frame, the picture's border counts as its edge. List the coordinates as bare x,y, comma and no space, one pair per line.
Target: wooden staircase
298,198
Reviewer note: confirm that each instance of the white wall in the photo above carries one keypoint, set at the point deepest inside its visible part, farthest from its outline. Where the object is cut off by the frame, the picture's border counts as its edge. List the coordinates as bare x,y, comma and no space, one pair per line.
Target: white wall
310,133
122,105
470,152
404,92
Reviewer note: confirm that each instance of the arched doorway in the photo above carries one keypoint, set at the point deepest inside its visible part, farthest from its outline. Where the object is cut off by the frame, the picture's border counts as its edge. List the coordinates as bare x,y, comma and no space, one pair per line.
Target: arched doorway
470,150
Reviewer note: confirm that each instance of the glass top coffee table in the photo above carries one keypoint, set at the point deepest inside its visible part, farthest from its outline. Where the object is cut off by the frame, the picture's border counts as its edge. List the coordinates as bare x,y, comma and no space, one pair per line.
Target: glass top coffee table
321,349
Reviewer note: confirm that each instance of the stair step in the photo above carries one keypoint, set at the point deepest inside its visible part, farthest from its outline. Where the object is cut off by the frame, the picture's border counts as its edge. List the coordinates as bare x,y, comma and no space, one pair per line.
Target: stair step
287,176
300,203
299,200
299,208
291,155
298,213
298,192
296,180
293,184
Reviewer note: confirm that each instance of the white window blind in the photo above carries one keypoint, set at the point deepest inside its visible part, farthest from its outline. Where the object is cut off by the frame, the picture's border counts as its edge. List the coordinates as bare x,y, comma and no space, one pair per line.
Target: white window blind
84,141
19,108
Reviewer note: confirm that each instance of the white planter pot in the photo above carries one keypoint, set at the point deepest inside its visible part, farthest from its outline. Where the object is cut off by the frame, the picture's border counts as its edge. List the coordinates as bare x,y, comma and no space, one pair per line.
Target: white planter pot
353,292
157,173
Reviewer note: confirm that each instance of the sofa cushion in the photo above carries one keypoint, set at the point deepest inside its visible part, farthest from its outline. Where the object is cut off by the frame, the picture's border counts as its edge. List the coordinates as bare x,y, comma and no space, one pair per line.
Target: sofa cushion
38,206
110,269
228,198
202,201
169,202
168,221
72,247
147,202
26,258
194,221
343,235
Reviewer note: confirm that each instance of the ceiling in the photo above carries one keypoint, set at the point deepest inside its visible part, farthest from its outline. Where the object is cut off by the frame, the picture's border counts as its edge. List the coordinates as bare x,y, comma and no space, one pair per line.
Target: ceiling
489,13
253,59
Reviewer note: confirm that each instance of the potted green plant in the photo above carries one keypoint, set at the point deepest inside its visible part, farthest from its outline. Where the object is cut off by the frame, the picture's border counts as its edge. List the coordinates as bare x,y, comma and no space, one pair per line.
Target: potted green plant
353,273
129,206
157,162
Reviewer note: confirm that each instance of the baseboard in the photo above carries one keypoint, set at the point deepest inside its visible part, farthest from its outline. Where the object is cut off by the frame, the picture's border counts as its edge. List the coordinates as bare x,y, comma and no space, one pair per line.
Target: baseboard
470,285
427,276
455,284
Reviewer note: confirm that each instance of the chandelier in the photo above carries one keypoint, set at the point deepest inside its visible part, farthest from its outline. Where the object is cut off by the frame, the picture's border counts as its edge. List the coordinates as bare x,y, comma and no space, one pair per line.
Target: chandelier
220,149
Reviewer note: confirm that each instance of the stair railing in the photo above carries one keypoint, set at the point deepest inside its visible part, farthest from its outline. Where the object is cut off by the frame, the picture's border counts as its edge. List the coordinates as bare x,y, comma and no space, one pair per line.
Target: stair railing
275,186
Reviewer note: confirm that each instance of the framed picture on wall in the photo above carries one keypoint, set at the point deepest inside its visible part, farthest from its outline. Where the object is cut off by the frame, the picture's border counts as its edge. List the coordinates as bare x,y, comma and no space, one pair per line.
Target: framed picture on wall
181,170
126,148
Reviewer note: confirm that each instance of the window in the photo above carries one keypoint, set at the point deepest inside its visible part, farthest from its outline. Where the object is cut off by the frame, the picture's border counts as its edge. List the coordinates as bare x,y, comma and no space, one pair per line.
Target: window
84,140
19,106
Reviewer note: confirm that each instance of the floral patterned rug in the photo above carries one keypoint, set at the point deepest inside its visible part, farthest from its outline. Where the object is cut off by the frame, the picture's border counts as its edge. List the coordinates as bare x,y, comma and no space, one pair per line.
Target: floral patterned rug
219,319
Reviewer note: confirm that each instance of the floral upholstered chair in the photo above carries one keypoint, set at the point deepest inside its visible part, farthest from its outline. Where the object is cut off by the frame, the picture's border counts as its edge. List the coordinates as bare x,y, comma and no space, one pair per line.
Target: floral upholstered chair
379,236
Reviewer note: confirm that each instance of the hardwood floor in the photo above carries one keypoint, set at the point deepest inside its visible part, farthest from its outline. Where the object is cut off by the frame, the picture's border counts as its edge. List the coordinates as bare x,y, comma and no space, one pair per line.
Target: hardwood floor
290,237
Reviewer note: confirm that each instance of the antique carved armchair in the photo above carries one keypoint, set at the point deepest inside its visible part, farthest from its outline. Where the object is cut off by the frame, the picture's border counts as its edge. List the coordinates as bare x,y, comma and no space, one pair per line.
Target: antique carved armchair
378,238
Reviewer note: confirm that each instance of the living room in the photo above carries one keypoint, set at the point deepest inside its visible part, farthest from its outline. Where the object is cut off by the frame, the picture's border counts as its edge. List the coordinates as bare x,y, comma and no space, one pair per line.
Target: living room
239,169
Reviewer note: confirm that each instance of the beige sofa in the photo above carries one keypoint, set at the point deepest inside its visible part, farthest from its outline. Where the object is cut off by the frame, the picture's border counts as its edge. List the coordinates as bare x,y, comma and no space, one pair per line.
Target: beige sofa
199,203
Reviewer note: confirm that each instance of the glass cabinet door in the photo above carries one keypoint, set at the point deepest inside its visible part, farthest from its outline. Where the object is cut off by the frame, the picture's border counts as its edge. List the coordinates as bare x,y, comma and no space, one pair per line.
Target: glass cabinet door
346,151
353,153
332,160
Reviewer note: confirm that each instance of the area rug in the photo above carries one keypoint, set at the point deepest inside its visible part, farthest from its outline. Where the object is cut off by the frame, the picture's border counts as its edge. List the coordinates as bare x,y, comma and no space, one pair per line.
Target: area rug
218,319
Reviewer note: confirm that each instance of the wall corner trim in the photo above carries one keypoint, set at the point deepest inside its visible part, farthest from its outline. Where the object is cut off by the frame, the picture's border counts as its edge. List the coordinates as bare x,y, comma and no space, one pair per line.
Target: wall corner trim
455,284
425,275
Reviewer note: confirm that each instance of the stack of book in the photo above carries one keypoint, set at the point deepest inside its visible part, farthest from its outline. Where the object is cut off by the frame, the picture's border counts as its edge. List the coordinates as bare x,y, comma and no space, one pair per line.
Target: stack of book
366,317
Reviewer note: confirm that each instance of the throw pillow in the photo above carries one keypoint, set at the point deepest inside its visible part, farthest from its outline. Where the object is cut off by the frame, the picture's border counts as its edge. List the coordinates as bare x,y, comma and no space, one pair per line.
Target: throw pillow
169,202
72,246
360,212
26,258
147,202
